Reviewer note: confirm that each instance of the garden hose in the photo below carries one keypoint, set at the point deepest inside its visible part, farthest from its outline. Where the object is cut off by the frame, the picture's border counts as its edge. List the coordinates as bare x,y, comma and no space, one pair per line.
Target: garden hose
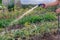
14,21
43,5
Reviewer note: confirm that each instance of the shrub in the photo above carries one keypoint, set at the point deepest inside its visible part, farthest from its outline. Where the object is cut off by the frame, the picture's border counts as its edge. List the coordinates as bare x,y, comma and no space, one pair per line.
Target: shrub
11,6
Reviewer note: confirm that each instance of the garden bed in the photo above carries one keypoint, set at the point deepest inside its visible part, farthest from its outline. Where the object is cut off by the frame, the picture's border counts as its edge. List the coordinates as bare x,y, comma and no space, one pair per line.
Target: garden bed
39,25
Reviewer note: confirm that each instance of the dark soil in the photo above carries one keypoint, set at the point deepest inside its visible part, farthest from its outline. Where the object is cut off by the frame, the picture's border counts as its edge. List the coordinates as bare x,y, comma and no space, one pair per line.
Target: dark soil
46,36
18,26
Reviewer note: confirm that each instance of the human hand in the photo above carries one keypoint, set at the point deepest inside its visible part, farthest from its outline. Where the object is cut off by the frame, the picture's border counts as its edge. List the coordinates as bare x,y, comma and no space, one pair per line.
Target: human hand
58,11
42,5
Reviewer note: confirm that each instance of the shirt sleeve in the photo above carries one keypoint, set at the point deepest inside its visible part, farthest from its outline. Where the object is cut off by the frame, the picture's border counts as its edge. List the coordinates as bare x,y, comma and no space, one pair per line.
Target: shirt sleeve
51,1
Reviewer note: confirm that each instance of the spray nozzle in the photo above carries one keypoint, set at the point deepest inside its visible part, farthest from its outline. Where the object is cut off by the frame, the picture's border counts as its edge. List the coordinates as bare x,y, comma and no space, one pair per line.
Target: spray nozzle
43,5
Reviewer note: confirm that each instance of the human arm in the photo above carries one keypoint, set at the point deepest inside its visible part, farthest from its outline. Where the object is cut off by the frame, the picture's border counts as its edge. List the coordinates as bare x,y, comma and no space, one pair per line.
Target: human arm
52,4
58,10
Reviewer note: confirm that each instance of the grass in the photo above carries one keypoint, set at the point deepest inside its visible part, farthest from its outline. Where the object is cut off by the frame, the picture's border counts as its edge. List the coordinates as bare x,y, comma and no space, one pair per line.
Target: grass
33,17
38,18
38,22
32,30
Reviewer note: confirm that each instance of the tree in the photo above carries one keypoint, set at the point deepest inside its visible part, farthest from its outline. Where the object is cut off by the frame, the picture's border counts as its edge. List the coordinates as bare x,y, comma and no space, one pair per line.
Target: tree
0,1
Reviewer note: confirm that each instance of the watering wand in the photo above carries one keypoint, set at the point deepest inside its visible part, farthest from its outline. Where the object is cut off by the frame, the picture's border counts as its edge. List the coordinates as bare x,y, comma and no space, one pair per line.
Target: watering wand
20,17
43,5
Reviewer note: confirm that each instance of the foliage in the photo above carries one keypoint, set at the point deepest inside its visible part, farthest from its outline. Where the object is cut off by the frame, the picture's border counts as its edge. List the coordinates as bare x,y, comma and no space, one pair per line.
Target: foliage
11,6
4,22
46,21
0,1
32,30
34,17
38,18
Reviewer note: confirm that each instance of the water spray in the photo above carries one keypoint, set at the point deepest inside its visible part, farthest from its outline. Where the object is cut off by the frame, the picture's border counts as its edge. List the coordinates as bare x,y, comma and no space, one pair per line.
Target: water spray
43,5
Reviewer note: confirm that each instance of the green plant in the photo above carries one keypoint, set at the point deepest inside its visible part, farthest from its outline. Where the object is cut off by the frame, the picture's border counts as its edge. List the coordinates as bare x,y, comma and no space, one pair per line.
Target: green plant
49,16
38,18
11,5
5,22
0,1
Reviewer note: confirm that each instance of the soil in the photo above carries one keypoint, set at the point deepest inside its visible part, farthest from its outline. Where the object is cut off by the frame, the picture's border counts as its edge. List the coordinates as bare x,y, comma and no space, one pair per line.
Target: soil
46,36
18,26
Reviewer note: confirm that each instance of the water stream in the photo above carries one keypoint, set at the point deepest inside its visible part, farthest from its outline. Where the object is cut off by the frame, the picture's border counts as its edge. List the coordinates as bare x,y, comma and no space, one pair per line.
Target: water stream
22,15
